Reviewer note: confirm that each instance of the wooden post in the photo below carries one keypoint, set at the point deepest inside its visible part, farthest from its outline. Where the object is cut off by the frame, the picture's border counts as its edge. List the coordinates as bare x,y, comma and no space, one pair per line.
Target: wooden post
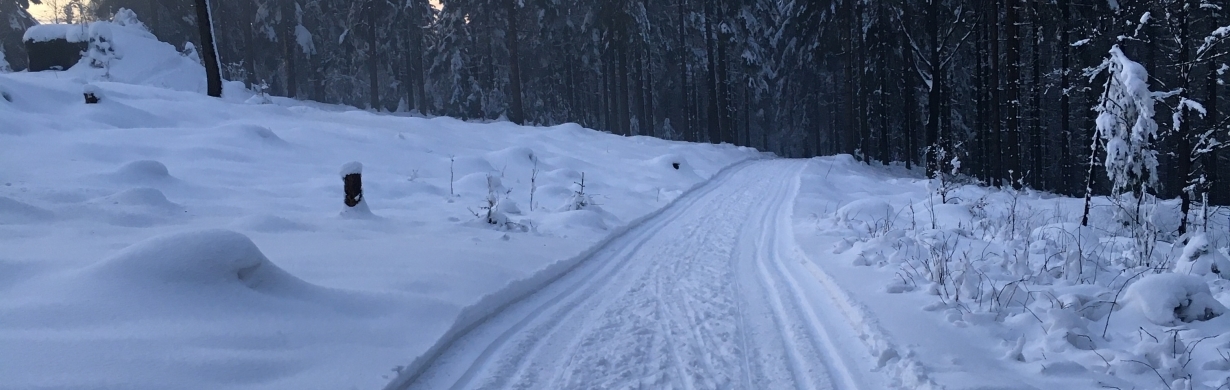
352,180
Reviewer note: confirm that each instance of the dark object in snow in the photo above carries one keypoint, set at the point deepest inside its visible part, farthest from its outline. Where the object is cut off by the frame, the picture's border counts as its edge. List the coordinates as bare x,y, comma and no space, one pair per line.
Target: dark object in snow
676,165
354,188
90,98
54,54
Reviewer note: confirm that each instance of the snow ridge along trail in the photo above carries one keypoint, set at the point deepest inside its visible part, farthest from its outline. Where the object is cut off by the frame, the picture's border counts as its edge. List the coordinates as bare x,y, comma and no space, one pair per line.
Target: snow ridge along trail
712,293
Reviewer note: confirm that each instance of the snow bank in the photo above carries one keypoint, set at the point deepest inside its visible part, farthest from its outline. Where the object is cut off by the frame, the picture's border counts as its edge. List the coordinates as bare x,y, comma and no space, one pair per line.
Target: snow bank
207,257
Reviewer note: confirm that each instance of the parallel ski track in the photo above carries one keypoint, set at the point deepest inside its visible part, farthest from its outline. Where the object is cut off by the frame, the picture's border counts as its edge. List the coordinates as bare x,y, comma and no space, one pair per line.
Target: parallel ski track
707,295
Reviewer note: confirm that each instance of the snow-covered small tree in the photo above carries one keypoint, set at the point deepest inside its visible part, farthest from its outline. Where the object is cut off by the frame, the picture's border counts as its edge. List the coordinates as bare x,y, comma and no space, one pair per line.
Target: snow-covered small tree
1126,127
101,52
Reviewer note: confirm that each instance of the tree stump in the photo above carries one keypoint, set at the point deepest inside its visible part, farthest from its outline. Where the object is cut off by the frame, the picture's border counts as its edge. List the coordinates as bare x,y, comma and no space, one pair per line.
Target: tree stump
352,181
92,96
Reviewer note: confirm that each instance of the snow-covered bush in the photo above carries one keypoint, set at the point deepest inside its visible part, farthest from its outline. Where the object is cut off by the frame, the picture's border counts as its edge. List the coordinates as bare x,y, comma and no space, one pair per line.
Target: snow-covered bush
1071,251
1201,259
101,52
579,199
128,18
873,217
497,207
1168,299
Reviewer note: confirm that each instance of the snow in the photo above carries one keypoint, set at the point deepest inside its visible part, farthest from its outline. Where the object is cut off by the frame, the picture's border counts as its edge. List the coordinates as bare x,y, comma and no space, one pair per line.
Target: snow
1005,288
165,239
50,32
351,168
1200,258
1168,299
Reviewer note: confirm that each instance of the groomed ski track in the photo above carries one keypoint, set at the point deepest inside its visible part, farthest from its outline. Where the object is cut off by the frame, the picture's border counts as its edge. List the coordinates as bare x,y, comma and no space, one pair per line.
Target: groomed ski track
713,293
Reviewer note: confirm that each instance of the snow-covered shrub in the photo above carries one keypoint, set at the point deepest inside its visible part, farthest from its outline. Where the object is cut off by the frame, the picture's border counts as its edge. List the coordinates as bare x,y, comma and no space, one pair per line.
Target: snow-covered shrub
128,18
497,207
873,217
1201,259
262,94
191,53
101,52
579,199
1168,299
1071,251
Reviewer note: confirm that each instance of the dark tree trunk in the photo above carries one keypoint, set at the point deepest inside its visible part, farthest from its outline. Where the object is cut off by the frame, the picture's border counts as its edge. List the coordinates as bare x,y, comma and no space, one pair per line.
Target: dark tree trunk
209,51
713,115
373,56
516,110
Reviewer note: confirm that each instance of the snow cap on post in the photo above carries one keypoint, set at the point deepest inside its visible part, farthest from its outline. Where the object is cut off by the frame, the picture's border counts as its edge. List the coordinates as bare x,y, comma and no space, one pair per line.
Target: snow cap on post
352,180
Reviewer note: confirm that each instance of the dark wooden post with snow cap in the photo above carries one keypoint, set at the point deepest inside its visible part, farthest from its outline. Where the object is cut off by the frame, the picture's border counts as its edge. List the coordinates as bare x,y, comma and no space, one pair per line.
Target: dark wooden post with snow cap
352,180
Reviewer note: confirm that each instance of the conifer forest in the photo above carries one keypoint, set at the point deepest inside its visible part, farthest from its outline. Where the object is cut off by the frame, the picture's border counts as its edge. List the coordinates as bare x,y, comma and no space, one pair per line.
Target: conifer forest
1005,92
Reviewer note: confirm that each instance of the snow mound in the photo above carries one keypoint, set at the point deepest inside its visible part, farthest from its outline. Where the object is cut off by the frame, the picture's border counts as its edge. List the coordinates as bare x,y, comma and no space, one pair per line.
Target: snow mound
676,168
14,212
463,166
139,197
867,214
256,133
1168,299
207,257
143,171
1201,259
512,160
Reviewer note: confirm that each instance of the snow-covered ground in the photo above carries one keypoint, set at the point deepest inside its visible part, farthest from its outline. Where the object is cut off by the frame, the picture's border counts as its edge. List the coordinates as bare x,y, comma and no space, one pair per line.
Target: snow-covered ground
1003,289
163,239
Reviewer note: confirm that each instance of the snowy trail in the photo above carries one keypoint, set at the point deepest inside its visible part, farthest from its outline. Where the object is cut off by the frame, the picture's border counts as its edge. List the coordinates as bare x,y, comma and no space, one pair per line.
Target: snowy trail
712,293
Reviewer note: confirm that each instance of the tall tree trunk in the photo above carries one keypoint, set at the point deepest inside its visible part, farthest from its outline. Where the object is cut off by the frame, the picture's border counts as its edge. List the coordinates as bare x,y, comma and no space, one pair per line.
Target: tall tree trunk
1039,172
1184,140
516,110
1211,159
373,56
935,95
907,88
713,115
1065,101
289,22
1012,102
209,51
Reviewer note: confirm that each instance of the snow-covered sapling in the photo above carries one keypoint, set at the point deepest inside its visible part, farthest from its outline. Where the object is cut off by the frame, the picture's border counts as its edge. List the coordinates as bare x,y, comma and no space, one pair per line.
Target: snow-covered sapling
101,52
352,181
452,175
580,200
533,181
